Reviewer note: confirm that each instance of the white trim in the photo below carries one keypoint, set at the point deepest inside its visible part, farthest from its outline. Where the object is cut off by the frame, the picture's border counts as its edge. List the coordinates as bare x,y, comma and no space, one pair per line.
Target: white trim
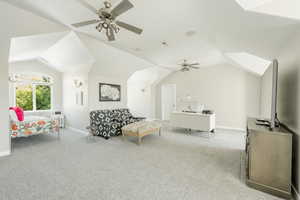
231,128
296,193
5,153
33,97
78,130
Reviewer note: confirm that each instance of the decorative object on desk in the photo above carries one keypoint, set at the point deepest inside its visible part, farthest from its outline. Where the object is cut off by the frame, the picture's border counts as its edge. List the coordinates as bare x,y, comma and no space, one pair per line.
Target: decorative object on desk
190,104
109,92
208,112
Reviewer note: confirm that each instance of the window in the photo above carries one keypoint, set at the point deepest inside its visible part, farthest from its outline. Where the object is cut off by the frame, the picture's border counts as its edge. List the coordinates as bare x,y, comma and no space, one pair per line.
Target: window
24,97
33,93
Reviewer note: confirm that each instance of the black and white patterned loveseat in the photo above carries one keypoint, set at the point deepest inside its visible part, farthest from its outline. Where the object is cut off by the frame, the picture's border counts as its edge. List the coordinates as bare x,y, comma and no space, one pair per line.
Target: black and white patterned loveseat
107,123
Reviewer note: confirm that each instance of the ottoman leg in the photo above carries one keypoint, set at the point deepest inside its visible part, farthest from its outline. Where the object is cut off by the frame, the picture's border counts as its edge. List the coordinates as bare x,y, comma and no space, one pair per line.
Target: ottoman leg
139,140
159,131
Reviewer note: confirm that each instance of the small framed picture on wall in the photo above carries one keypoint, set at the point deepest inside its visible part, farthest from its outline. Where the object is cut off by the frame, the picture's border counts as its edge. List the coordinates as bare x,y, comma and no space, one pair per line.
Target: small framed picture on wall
109,92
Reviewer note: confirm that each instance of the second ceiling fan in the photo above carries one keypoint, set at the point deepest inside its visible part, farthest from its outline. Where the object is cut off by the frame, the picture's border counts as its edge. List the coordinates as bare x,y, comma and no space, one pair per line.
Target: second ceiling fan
185,66
107,18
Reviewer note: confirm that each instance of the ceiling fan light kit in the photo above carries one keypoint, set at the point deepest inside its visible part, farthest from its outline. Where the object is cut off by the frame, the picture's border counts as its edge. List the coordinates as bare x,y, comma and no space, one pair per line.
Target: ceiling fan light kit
107,19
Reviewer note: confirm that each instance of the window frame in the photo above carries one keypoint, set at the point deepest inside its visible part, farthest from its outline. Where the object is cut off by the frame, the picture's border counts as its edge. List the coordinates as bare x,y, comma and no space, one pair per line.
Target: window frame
34,85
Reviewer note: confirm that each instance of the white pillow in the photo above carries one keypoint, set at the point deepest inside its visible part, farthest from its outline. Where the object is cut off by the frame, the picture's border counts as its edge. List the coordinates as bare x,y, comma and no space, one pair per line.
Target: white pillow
13,115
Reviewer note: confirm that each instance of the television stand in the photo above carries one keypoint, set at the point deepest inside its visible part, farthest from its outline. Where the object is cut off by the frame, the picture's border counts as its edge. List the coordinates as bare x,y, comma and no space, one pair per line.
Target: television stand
269,159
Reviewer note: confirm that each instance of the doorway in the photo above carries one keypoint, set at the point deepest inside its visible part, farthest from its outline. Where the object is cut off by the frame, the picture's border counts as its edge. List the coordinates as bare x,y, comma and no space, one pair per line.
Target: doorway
168,100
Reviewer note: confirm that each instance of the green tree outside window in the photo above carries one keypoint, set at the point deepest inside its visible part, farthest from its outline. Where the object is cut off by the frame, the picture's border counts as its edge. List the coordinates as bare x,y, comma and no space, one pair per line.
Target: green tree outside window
43,97
24,97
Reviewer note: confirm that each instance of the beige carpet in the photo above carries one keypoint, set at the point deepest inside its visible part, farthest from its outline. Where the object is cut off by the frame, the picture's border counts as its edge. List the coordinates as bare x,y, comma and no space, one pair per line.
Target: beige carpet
175,166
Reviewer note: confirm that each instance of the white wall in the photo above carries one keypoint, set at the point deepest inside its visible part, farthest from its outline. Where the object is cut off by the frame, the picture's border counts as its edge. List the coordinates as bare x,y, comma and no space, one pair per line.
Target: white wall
77,116
12,28
36,67
289,97
231,92
4,136
141,89
139,99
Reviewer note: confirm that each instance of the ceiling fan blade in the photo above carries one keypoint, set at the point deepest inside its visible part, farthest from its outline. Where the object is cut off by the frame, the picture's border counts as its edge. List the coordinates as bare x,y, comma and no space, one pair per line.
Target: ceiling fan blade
195,64
194,67
88,6
110,34
85,23
122,7
168,68
129,27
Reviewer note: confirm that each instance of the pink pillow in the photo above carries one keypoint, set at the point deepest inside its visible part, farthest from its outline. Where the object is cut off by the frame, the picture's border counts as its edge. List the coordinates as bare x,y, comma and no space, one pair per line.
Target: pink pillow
19,112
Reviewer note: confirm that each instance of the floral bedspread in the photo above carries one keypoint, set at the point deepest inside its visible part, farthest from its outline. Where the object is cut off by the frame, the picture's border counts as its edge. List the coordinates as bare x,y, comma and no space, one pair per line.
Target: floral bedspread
33,126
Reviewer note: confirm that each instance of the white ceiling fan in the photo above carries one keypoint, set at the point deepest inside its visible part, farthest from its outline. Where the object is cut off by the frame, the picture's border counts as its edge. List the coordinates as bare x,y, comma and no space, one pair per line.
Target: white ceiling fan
107,18
185,66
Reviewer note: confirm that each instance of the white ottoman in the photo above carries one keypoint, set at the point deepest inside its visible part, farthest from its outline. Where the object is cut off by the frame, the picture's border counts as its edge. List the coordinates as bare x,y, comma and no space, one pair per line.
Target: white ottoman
141,129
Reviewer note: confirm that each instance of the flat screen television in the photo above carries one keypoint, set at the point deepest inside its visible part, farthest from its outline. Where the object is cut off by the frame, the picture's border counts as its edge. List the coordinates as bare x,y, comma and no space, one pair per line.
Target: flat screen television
269,95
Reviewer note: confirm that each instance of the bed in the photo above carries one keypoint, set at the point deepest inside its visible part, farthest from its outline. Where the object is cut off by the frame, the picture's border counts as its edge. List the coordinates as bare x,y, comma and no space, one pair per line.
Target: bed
34,125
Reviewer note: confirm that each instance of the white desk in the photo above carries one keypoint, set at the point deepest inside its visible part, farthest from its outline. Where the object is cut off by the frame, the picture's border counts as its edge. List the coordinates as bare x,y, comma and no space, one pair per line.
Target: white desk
195,121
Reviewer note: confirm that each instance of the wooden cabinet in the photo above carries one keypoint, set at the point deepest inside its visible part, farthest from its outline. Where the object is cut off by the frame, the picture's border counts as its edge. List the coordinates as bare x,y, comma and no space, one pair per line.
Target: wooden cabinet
269,159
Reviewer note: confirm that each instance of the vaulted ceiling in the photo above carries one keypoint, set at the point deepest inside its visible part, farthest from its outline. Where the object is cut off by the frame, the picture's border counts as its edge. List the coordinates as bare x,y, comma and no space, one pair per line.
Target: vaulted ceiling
62,51
206,31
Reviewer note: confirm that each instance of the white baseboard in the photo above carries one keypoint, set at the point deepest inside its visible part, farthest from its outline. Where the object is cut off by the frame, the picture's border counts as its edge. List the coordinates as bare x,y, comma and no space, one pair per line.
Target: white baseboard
78,130
231,128
296,193
5,153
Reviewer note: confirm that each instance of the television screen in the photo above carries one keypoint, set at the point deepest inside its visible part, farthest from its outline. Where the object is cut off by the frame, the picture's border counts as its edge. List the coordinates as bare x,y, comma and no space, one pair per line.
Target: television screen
268,100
